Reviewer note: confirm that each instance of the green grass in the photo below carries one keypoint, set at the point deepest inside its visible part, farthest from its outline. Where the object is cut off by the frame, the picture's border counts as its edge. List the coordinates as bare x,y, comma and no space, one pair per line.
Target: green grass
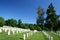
19,36
5,36
37,36
55,37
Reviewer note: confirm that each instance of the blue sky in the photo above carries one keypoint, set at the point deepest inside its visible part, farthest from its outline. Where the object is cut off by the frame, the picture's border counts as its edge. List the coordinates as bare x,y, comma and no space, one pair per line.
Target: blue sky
26,10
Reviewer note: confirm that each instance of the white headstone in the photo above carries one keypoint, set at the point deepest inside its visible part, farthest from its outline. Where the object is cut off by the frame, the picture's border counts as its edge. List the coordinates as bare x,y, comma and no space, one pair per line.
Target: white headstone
24,37
5,30
0,30
31,33
48,36
9,32
27,34
13,32
17,31
51,38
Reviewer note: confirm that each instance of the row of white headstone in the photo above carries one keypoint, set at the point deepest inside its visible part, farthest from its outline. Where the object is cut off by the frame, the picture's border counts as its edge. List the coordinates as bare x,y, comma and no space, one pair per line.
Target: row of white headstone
28,34
48,36
56,33
13,30
9,31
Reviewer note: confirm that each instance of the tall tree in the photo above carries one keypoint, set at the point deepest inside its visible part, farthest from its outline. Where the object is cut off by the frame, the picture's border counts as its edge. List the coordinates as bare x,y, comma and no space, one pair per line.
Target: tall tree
40,18
20,23
2,21
51,18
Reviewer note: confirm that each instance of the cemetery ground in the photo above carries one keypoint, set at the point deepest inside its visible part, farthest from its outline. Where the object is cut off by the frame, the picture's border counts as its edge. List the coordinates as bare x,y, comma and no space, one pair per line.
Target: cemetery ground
37,36
55,36
10,33
19,36
5,36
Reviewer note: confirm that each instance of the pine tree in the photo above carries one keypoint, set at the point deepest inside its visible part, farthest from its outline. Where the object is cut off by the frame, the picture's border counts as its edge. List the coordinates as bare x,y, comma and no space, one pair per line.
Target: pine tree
51,18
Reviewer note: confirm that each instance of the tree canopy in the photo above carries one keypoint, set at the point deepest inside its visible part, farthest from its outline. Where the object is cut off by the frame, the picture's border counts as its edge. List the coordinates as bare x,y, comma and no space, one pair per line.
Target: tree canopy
51,18
11,22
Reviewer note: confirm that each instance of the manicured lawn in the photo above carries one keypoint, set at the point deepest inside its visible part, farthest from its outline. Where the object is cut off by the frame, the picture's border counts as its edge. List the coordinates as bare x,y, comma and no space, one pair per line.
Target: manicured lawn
19,36
55,37
37,36
4,36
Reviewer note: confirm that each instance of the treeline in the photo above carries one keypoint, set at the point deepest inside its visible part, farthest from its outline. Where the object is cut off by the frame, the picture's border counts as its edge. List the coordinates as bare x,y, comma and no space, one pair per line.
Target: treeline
14,23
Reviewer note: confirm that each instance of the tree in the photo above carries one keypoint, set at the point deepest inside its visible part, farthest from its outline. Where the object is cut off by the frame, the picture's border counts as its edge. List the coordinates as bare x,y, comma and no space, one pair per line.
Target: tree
31,27
20,24
35,26
38,28
11,22
26,26
40,18
2,22
51,18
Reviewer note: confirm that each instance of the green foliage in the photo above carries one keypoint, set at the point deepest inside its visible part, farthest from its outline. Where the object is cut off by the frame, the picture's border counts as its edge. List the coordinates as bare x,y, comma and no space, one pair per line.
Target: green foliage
51,18
31,26
2,22
34,27
39,28
40,18
20,25
11,22
58,25
26,26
